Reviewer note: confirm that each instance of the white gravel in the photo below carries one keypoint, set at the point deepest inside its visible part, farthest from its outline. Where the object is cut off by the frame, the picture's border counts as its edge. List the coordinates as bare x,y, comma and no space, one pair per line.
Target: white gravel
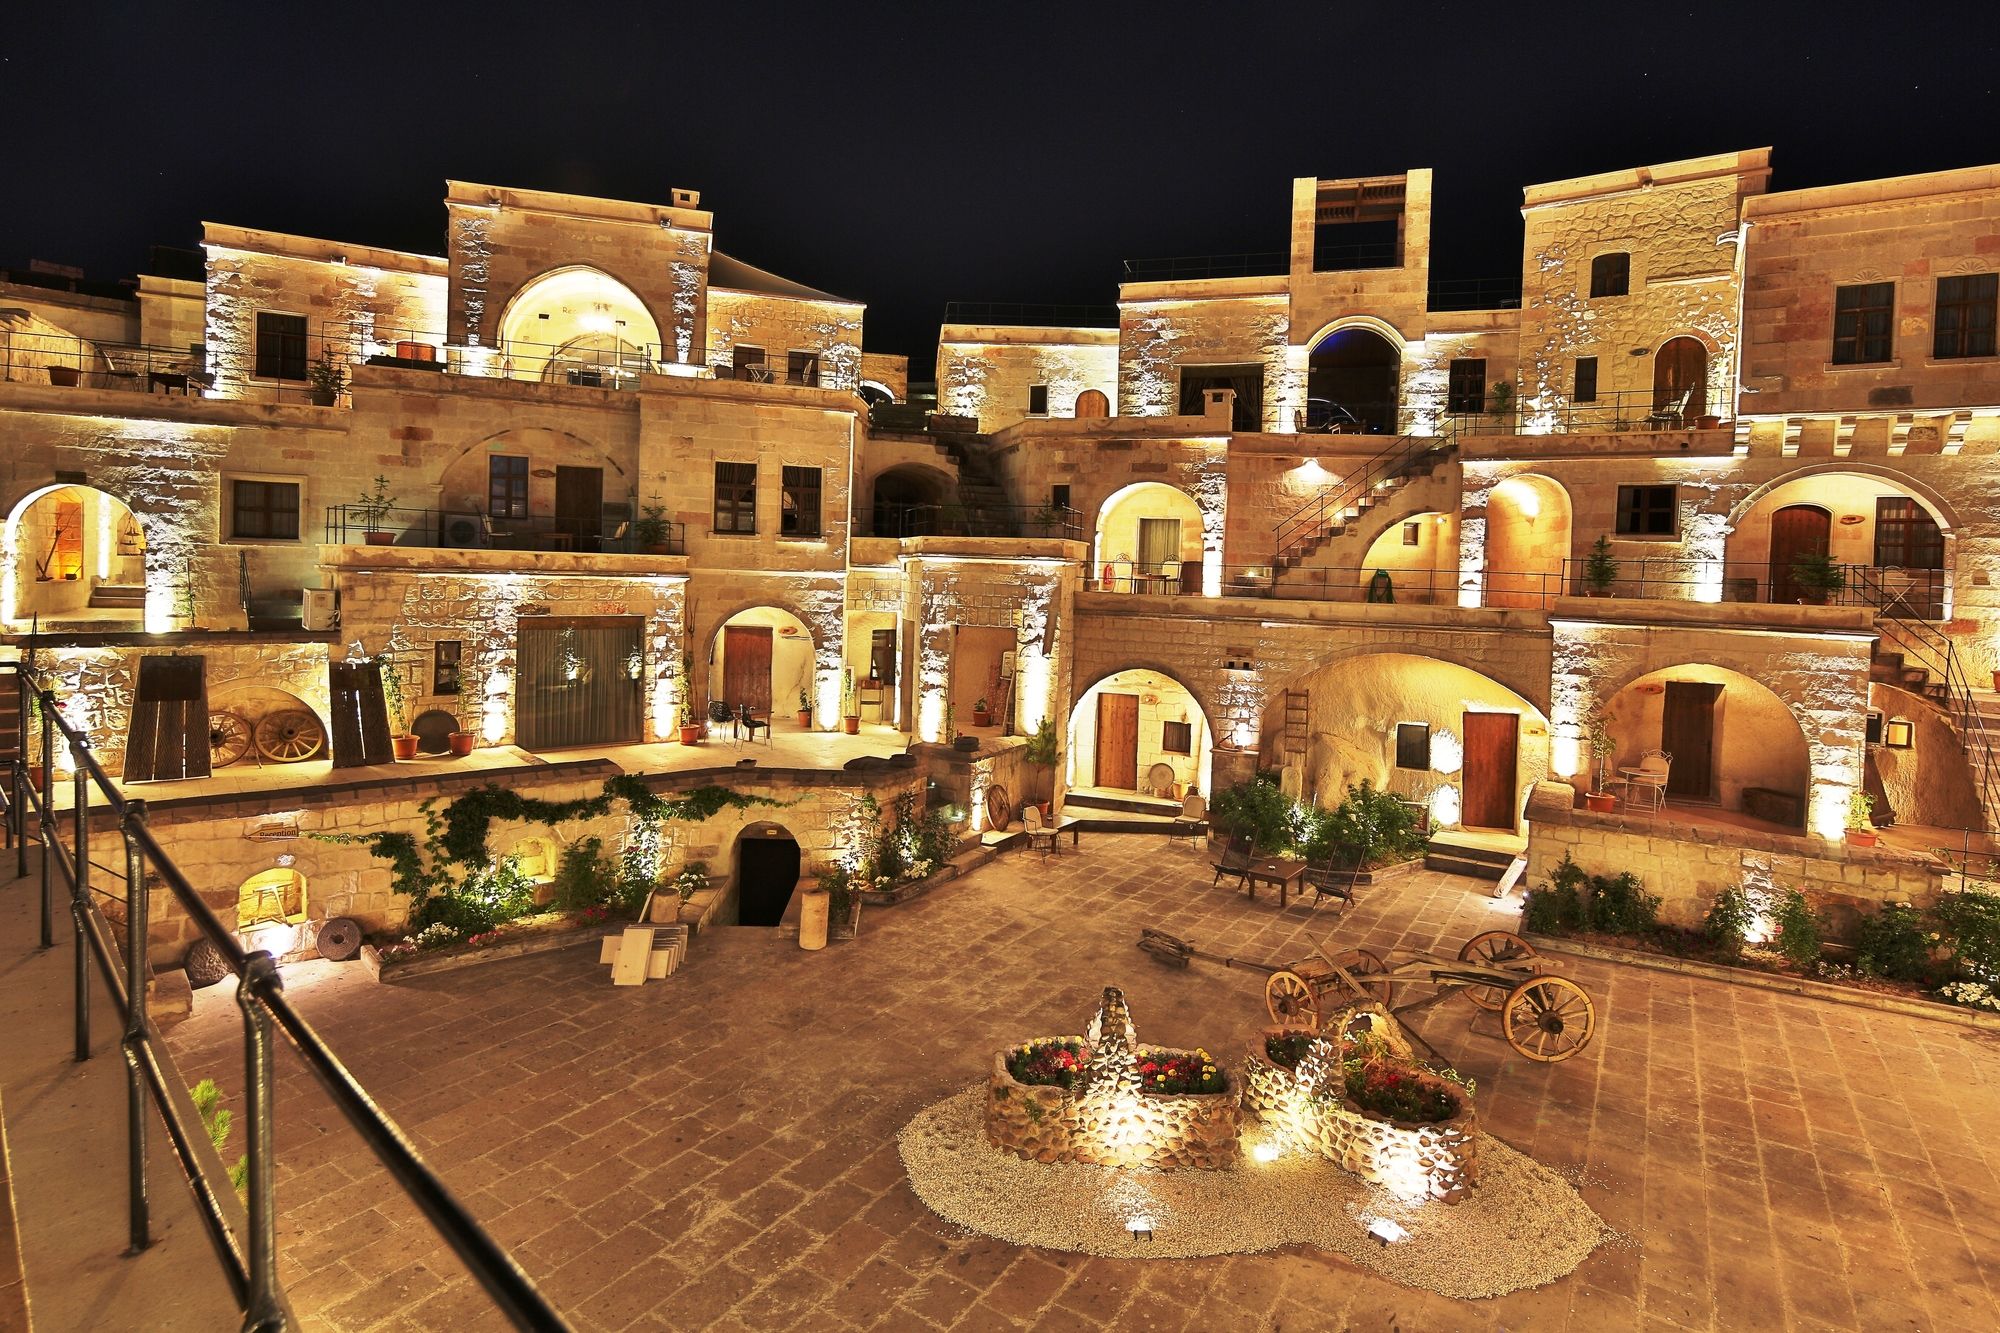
1523,1227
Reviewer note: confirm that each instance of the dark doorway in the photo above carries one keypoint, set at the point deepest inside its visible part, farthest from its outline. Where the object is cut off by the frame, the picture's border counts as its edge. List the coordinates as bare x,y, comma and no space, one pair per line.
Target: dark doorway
1490,753
577,682
1796,531
767,871
907,504
580,505
1680,378
1687,732
746,667
1118,741
1353,377
1246,381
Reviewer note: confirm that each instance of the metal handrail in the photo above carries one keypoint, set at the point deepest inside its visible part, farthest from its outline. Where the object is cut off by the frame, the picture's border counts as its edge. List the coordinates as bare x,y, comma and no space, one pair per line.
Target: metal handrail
950,520
252,1268
1304,525
1031,314
352,524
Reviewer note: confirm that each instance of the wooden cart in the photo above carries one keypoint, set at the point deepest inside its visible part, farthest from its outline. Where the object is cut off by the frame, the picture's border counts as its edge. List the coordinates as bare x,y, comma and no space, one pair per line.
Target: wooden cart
1544,1017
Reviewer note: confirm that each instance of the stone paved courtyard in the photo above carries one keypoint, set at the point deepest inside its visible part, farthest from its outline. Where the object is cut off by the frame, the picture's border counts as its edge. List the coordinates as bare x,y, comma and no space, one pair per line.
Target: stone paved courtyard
716,1151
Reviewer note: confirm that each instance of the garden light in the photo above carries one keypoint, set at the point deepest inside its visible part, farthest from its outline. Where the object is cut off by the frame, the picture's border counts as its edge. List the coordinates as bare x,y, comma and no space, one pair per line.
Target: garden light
1386,1232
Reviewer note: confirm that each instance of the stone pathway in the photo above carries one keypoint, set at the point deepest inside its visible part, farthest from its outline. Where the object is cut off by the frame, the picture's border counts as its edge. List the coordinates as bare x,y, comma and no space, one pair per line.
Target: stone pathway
716,1151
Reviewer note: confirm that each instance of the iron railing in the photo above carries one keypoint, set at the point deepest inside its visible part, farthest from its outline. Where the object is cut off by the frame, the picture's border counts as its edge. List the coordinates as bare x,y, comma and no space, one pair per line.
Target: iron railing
249,1263
65,361
1903,594
363,524
950,520
1304,526
1193,268
1453,294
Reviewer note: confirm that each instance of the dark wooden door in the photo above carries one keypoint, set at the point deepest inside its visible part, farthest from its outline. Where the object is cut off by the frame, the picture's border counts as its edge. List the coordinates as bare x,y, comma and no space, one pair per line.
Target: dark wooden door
1796,530
1687,732
360,714
746,667
1491,746
168,739
1680,376
1118,741
580,503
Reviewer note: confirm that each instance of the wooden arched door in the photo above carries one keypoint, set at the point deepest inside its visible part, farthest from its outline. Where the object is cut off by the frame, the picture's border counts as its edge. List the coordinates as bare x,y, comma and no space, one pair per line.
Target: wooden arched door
1796,530
1680,378
1092,405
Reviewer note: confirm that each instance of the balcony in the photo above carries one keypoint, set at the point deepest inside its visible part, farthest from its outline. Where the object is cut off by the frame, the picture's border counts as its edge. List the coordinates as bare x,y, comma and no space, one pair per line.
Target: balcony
952,520
358,524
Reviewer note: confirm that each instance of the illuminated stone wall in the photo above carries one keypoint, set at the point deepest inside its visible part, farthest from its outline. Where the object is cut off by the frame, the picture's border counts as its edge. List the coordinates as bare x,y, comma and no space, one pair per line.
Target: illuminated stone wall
1234,321
972,583
780,325
889,370
986,372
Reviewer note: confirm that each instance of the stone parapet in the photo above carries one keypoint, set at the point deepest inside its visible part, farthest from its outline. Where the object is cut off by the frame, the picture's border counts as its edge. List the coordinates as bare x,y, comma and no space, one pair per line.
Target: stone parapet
1167,1133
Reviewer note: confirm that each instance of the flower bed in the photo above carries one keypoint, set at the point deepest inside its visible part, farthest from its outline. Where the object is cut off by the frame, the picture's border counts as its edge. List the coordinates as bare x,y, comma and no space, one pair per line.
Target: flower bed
439,948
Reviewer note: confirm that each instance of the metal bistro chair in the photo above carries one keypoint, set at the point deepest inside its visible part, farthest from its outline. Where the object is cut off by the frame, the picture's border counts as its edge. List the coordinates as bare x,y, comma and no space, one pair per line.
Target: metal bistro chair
1672,414
750,722
1647,789
1235,862
1040,835
1899,590
1193,820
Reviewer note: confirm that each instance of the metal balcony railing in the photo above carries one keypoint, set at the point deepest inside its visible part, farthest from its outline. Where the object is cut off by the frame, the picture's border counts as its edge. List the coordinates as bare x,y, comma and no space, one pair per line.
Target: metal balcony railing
470,529
950,520
64,361
249,1262
1900,594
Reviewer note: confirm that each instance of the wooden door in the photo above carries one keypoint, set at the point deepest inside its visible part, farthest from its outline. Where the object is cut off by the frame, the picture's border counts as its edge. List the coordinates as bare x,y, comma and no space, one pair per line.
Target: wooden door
1687,732
1680,375
580,503
360,714
1491,746
168,739
1118,741
1796,530
746,667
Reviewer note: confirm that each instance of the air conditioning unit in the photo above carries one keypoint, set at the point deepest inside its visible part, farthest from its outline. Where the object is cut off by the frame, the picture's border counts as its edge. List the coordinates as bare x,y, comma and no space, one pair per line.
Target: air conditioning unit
461,531
322,609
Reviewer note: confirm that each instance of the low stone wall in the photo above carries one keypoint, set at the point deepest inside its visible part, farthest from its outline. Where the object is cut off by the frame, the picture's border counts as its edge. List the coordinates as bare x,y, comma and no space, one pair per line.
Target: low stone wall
1051,1124
1687,866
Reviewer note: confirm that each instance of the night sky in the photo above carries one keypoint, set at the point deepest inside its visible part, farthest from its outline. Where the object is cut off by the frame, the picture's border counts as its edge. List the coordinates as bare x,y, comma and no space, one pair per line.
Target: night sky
907,156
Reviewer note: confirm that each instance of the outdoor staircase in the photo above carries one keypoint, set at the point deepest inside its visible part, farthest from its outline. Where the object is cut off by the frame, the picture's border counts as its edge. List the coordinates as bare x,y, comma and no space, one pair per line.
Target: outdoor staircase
1340,506
1454,857
118,596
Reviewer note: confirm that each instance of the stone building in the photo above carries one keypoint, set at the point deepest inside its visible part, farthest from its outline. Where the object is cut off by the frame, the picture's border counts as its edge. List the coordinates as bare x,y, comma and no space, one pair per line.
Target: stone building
1310,511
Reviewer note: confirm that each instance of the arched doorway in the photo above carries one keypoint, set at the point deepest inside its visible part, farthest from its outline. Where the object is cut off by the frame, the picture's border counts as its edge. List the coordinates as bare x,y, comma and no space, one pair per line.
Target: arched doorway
908,502
1680,378
1092,405
1353,382
761,658
767,873
1799,533
579,325
1891,540
1733,744
1419,554
74,553
271,911
1134,722
1528,522
1149,539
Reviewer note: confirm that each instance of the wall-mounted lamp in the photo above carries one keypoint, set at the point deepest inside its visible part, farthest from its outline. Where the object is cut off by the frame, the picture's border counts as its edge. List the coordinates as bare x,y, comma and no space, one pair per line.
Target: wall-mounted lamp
1899,733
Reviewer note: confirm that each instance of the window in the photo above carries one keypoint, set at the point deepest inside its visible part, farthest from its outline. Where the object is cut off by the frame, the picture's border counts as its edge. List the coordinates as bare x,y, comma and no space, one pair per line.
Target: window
1873,732
1467,393
1648,511
802,368
1038,400
281,346
1413,745
1611,275
1059,496
736,497
1899,733
506,486
1906,537
1966,308
1177,737
1586,380
1413,534
446,656
747,363
1247,380
264,510
798,514
1863,316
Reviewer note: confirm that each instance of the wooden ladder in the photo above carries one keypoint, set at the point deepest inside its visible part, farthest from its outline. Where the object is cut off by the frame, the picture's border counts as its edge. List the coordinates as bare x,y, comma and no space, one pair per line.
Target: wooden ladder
1298,723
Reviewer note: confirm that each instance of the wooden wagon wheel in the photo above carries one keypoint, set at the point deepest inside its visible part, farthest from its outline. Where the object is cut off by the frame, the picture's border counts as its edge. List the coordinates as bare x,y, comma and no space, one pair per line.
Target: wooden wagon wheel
1492,949
1291,1001
1368,963
291,735
228,738
999,807
1549,1019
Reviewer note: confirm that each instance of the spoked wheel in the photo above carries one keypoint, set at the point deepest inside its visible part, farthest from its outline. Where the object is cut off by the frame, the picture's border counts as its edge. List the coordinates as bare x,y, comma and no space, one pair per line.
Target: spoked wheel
1549,1019
1291,1001
1367,963
289,736
999,807
228,738
1494,948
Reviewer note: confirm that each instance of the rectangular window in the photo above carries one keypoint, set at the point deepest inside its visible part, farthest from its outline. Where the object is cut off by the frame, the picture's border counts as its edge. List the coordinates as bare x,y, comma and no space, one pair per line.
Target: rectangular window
1586,380
506,486
267,510
736,497
1906,537
1177,737
1059,496
1247,380
799,514
1873,732
1038,400
1413,534
1648,511
1966,310
1611,275
281,346
1413,745
1864,317
445,659
802,368
1467,394
747,363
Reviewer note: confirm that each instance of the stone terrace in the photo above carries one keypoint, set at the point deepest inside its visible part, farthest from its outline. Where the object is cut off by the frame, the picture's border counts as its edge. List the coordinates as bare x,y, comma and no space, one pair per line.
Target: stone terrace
716,1150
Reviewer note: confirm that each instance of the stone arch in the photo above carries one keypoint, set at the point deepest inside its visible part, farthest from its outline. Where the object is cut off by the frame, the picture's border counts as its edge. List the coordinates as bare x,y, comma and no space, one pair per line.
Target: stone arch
1529,528
1372,323
584,302
1940,509
772,612
874,392
1847,490
1533,686
1354,375
1426,573
93,553
1202,758
462,483
765,861
908,506
1116,557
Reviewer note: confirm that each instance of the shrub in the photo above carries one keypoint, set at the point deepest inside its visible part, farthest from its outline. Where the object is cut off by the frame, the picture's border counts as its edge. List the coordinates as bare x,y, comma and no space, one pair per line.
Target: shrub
1799,931
1892,943
1286,1049
1256,810
1617,905
1727,925
1969,924
1055,1062
1396,1092
1557,907
1368,825
584,876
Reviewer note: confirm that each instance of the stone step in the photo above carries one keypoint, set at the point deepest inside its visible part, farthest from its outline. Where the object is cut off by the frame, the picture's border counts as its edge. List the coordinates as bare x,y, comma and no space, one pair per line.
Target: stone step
1456,864
1136,803
118,594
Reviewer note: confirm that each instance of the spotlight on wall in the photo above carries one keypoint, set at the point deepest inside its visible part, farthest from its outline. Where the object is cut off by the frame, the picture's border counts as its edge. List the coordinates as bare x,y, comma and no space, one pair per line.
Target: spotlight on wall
1141,1227
1386,1232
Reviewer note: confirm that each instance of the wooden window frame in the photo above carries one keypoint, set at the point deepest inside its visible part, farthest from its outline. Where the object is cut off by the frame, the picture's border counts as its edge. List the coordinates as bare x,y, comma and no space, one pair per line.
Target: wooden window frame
1584,386
1974,312
1639,508
1413,746
501,500
273,348
1900,519
1856,306
1168,738
802,368
1608,278
236,510
1038,400
799,512
1465,386
735,500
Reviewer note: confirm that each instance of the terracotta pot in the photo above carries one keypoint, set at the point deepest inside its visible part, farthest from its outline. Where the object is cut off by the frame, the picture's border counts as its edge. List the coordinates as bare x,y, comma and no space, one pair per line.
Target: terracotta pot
379,538
1860,837
463,743
691,734
1603,802
405,746
851,725
805,717
322,397
659,548
981,718
1708,422
66,376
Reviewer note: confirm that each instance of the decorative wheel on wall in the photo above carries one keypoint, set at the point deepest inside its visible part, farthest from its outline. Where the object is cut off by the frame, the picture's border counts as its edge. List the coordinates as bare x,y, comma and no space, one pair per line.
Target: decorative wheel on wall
228,738
1549,1019
289,736
999,807
1494,948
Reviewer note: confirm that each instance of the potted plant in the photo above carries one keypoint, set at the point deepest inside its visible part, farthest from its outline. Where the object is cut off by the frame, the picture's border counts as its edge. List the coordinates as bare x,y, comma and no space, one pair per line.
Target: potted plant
471,703
850,706
326,378
690,722
373,508
981,715
1860,828
65,376
843,902
1040,754
1503,400
401,740
1600,569
1818,577
805,718
1603,748
651,531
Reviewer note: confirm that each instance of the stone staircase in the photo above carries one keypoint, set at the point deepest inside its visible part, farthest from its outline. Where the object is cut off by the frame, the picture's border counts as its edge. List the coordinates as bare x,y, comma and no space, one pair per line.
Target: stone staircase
1339,508
1892,668
1456,857
1973,714
118,596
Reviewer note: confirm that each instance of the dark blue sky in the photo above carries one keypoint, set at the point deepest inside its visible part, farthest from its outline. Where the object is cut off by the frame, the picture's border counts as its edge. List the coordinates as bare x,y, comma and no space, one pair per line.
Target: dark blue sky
908,155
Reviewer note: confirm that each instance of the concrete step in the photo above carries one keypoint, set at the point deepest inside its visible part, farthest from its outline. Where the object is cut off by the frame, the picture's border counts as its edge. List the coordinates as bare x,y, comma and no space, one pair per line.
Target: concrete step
1453,864
1075,802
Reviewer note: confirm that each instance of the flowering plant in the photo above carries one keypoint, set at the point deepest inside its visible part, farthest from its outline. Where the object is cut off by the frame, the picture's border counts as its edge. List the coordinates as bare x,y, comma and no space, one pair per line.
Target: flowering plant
484,937
1971,994
434,936
1052,1062
692,879
1176,1073
594,914
883,883
921,869
1286,1049
1397,1092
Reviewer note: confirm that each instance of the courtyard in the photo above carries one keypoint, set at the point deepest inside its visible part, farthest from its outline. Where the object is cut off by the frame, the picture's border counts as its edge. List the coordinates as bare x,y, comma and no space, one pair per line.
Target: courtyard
717,1151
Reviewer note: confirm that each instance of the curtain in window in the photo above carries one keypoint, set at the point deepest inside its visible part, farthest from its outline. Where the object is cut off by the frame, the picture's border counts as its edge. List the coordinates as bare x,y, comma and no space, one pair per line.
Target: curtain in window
1159,543
578,682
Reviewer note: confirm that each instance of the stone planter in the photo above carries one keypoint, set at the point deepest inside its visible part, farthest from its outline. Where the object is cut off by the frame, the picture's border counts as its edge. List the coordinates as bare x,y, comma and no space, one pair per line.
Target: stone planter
1052,1124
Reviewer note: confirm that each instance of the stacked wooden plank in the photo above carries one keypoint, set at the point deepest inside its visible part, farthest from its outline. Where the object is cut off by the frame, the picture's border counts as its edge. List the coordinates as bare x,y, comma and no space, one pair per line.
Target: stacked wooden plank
639,954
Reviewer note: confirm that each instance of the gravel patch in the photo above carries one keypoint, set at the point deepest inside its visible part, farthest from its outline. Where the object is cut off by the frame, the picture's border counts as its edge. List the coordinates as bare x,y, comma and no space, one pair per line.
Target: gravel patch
1523,1227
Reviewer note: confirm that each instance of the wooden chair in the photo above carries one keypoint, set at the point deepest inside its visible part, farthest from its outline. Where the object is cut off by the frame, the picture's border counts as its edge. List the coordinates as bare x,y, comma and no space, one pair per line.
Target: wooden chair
1193,821
1040,835
1327,880
1236,857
